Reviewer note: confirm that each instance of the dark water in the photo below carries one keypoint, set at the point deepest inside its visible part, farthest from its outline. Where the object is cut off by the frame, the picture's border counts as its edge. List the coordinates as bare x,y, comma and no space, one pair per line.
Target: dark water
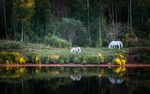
62,80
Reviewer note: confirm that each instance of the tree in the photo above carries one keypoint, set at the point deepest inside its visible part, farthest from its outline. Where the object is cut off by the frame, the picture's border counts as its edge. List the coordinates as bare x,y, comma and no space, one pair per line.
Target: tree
23,10
69,28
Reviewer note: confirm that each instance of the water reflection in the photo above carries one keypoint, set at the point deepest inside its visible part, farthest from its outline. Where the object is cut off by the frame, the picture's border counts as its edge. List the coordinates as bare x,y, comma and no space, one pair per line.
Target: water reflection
115,81
75,78
64,80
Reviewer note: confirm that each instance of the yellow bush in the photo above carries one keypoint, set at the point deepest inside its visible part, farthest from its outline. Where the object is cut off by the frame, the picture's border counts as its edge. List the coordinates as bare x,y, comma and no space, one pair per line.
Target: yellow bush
123,61
22,60
118,61
17,59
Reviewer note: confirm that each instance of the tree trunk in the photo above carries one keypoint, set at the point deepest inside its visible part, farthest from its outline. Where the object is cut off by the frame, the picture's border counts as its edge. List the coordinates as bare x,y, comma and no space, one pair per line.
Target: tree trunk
22,35
108,11
58,15
113,23
100,12
130,15
65,8
22,29
15,30
38,18
142,15
116,16
53,8
89,36
5,20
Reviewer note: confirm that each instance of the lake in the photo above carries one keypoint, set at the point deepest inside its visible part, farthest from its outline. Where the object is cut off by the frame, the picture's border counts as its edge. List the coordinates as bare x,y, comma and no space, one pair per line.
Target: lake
74,80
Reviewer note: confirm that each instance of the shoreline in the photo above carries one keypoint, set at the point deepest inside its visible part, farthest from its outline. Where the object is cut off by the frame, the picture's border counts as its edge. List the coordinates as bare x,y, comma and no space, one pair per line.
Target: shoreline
73,65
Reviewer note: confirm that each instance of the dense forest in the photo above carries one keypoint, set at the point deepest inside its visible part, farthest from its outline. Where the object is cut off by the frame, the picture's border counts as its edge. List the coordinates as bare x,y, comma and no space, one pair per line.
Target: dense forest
92,23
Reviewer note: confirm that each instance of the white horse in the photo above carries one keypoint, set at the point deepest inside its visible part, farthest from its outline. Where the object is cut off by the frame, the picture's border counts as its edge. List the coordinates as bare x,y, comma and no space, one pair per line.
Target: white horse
74,50
115,43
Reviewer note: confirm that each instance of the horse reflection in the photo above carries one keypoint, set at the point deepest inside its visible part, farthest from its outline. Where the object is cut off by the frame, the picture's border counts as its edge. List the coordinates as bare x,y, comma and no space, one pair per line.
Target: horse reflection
76,78
115,81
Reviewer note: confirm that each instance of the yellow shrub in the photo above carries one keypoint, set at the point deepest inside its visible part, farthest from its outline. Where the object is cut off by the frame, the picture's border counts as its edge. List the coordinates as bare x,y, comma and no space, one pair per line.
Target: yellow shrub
37,58
123,61
22,60
118,61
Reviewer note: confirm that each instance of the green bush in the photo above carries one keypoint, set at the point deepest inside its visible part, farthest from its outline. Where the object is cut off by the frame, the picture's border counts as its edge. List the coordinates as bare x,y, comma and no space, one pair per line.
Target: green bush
107,58
7,44
62,61
83,62
145,58
91,59
43,59
131,40
101,59
30,57
76,60
66,58
53,58
56,42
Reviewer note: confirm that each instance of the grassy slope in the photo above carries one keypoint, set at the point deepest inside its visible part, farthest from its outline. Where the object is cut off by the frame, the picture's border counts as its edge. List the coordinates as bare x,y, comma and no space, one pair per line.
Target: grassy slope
42,50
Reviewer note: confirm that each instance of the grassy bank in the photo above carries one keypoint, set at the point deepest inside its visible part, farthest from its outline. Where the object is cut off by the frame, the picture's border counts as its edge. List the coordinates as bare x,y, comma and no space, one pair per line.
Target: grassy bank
41,54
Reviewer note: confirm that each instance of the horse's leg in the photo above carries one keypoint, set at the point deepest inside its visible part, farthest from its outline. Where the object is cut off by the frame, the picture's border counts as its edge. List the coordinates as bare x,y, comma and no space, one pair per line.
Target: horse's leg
119,46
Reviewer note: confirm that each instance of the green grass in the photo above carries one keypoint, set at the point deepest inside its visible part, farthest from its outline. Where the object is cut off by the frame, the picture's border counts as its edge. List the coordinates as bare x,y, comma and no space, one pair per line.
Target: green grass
42,54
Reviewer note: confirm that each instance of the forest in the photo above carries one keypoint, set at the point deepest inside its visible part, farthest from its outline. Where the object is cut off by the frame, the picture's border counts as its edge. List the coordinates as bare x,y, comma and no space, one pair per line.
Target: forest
85,23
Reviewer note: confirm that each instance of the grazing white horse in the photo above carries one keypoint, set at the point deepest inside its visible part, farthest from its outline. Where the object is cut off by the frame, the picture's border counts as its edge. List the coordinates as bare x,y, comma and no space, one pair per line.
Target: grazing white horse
115,43
74,50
